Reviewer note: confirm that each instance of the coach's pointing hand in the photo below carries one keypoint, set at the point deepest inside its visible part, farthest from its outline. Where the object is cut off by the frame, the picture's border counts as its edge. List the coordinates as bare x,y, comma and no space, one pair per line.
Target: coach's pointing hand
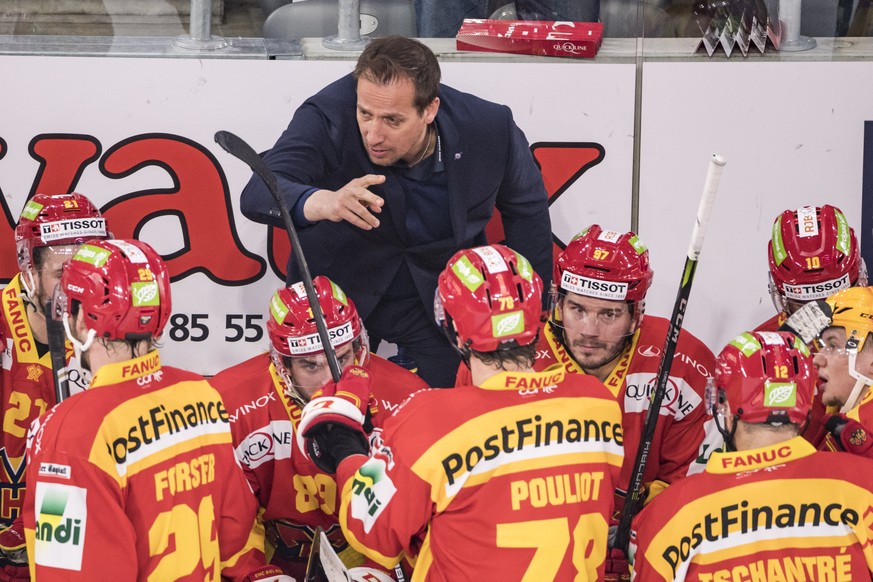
353,203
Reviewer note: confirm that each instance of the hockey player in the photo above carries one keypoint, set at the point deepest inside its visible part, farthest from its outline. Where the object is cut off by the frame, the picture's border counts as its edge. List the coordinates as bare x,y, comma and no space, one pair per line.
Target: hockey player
49,231
812,254
845,370
596,327
510,478
135,478
773,508
265,396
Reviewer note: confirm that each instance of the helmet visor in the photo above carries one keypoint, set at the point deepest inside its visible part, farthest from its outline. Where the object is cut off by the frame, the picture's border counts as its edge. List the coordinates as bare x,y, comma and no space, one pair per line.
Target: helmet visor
58,304
596,319
307,373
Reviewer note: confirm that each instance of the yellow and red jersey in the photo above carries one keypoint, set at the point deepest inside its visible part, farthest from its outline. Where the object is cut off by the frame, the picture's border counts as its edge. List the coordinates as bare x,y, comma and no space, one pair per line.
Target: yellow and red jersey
514,477
136,479
781,512
862,412
27,393
295,495
685,435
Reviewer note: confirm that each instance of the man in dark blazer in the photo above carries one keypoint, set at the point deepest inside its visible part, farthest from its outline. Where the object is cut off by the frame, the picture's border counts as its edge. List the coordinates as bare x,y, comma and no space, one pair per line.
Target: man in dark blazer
388,173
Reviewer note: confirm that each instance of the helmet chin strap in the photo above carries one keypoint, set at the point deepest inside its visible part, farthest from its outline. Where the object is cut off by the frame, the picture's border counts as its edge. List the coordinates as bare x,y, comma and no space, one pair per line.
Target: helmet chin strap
78,347
28,283
861,381
290,390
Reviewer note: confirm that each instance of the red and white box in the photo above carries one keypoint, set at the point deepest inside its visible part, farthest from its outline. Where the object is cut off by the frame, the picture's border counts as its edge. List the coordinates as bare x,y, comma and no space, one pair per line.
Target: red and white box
550,38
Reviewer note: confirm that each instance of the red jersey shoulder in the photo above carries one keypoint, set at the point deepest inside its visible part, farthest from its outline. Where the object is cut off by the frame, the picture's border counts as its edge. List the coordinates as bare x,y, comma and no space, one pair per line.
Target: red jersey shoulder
583,385
692,357
238,383
392,384
673,498
72,422
865,411
172,375
421,404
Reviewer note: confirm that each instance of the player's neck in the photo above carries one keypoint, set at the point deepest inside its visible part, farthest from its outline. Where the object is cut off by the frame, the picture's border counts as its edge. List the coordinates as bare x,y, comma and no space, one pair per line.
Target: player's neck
103,353
757,436
480,372
603,372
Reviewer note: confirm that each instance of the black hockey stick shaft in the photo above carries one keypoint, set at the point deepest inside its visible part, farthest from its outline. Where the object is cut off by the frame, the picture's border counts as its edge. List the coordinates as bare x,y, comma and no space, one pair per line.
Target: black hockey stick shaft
635,494
314,569
58,351
238,148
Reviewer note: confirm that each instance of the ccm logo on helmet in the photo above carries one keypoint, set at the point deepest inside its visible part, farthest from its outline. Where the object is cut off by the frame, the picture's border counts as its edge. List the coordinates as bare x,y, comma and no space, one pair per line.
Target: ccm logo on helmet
817,290
593,287
76,228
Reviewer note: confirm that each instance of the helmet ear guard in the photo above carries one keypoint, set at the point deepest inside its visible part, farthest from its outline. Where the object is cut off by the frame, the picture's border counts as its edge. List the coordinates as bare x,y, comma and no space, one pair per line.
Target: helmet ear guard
447,325
718,407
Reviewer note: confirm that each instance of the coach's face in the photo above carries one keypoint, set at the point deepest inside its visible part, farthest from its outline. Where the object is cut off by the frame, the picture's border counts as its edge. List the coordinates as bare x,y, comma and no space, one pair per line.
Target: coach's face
391,127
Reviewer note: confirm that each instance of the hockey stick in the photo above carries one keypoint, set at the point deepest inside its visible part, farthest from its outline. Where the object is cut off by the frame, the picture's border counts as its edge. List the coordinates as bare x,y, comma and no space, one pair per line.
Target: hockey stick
634,501
236,147
58,350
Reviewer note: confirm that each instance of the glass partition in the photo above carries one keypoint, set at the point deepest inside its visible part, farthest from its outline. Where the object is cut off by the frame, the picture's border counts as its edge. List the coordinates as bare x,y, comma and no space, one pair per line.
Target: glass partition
273,28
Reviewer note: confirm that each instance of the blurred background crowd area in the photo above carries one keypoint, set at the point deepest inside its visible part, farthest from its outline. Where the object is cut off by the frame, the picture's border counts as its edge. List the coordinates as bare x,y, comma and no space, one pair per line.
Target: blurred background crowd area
305,18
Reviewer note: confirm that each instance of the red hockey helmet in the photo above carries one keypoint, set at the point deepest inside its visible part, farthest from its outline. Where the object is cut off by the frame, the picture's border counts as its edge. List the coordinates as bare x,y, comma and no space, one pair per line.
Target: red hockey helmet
58,219
767,377
605,264
292,327
812,253
122,286
490,297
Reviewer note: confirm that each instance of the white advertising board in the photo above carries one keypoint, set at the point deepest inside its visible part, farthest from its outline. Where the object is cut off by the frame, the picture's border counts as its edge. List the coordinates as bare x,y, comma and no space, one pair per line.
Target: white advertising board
792,135
136,136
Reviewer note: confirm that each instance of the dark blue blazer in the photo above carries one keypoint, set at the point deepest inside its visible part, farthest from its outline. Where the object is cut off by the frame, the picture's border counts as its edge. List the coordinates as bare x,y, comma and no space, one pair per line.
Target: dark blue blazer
488,164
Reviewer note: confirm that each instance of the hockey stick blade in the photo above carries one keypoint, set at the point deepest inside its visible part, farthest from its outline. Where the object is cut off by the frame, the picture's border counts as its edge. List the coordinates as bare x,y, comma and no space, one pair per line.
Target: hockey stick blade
239,149
58,351
634,500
